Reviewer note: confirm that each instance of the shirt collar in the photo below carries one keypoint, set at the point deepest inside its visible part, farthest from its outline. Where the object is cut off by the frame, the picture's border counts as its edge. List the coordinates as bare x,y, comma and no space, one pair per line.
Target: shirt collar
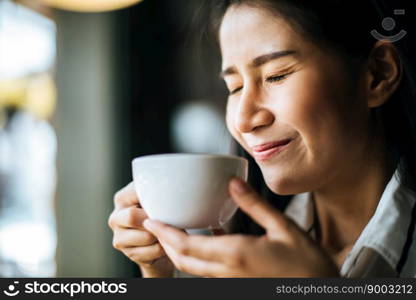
386,231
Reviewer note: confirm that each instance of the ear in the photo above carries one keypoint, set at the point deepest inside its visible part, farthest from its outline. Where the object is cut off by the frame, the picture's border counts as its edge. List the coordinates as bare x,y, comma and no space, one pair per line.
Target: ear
383,74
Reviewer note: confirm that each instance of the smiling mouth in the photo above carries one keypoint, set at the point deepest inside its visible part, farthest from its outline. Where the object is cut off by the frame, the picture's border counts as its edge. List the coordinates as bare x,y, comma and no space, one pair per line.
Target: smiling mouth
267,151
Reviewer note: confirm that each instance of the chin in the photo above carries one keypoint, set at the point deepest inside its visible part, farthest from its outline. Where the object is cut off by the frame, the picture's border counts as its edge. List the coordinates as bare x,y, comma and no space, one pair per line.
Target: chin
282,185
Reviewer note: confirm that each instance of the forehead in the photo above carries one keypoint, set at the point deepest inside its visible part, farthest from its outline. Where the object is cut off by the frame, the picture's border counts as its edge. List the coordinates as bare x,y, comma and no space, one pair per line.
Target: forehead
247,32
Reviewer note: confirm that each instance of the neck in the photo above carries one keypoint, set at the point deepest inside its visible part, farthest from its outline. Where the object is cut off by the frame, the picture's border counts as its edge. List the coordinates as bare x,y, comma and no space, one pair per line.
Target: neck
345,206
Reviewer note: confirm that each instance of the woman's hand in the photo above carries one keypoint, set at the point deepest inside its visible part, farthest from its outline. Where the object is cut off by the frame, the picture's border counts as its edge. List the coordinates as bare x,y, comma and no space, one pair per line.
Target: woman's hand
131,238
284,251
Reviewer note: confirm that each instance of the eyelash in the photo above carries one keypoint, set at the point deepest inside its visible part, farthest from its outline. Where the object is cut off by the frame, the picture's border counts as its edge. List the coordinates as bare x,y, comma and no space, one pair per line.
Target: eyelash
276,78
270,79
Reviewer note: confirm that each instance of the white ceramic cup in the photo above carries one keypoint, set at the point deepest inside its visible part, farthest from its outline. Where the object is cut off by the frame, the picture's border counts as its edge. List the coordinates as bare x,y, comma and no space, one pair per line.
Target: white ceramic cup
187,191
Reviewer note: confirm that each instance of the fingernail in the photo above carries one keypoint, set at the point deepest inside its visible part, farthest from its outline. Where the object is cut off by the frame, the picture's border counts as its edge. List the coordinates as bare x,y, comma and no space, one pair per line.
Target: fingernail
239,187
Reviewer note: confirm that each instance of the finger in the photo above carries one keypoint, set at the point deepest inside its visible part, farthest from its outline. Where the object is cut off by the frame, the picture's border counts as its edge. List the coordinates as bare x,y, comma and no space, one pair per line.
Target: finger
163,231
199,246
127,238
196,266
126,197
130,217
254,206
145,254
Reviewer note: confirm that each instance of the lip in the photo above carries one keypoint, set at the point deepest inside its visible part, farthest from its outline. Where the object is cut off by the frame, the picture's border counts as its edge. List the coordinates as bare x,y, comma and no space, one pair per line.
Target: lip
265,151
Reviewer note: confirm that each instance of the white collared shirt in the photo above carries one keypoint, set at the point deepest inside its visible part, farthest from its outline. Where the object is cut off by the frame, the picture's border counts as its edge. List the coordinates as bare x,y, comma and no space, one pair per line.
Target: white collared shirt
387,245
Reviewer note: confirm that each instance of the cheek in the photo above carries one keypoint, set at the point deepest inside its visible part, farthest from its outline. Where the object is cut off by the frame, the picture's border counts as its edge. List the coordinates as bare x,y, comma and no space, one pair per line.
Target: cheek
299,107
319,108
229,119
313,105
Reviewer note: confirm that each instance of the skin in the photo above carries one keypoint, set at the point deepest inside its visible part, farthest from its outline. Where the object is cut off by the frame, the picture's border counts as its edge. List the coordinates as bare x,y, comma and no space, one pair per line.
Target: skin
132,239
278,253
307,94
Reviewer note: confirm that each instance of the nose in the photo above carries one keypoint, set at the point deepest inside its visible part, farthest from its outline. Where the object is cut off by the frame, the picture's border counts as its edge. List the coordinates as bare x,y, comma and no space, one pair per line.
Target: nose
251,113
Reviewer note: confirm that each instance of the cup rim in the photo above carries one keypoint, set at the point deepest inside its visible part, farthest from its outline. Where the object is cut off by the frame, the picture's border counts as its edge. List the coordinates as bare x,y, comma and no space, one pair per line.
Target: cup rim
188,155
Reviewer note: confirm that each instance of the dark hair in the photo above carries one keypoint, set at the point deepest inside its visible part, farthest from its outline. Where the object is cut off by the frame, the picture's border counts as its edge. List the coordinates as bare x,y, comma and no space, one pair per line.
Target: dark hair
342,26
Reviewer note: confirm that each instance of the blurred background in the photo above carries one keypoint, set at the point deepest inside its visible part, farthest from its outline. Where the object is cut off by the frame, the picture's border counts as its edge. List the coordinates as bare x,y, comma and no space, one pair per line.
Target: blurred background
86,86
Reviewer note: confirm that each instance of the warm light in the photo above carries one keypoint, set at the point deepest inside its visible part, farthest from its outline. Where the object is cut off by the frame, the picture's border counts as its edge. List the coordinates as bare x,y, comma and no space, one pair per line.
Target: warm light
89,5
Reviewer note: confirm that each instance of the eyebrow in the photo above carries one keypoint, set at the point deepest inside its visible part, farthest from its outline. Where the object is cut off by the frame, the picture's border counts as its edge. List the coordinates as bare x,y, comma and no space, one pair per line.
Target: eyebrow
260,60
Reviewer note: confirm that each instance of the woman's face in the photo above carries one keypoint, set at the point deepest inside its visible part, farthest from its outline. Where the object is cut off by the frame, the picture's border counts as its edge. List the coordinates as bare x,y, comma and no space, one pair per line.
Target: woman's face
284,88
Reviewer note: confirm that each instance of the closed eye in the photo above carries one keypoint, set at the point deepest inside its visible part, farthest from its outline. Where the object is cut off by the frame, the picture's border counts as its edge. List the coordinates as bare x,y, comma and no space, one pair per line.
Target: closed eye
270,79
234,91
277,78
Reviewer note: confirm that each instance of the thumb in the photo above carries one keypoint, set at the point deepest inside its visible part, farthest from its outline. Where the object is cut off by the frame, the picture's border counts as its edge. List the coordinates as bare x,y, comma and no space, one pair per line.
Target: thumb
258,209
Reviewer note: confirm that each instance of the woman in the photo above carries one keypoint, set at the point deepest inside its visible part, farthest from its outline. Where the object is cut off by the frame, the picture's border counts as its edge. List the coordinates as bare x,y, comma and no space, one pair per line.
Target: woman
325,110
